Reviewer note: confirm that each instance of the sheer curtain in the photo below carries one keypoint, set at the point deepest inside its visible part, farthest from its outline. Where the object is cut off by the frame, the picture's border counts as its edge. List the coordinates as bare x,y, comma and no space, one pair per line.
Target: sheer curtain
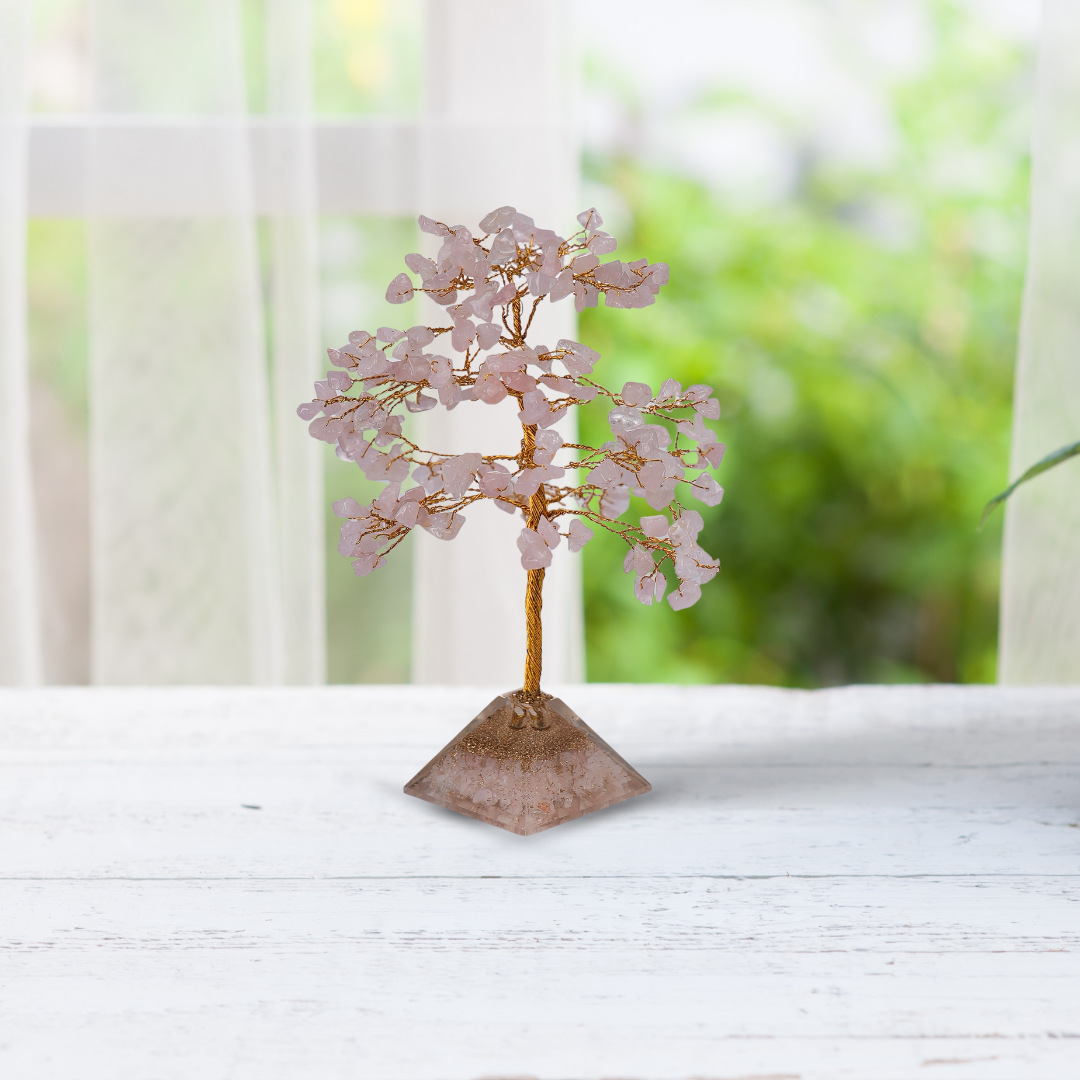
185,558
469,595
1040,594
297,355
20,654
206,547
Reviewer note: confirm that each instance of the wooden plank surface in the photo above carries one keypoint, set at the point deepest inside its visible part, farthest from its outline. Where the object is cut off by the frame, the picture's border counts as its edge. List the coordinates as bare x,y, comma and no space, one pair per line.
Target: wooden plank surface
864,883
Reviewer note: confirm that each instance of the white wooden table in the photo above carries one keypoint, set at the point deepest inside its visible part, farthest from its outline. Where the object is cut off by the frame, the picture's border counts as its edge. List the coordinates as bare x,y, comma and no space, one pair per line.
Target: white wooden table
865,883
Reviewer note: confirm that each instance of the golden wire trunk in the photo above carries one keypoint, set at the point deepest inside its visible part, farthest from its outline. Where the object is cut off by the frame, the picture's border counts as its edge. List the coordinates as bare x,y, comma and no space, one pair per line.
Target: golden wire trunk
534,633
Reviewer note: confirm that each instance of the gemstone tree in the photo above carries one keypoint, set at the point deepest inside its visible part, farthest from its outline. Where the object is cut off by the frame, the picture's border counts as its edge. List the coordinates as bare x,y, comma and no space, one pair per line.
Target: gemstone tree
526,762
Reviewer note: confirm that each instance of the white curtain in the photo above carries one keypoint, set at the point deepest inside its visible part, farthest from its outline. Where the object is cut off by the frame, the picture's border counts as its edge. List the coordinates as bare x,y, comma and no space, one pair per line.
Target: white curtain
1040,593
296,348
479,150
204,570
20,651
206,494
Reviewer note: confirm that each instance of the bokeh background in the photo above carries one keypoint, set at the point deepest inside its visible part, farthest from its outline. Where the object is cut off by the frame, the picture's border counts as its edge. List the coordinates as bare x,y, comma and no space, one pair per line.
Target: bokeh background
840,189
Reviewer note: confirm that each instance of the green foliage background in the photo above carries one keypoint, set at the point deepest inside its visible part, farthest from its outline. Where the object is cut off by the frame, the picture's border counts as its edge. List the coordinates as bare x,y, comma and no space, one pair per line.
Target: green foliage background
861,336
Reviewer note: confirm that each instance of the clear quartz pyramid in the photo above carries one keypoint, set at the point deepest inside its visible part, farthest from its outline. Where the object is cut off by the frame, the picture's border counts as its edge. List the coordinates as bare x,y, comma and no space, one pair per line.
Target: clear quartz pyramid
526,764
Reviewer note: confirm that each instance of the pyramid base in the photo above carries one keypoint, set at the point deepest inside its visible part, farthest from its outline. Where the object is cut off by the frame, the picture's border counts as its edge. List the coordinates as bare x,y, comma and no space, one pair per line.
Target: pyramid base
525,765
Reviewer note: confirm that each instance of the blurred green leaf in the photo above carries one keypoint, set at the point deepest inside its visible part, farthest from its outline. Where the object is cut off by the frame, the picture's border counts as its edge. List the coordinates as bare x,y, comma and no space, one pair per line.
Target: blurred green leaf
1048,462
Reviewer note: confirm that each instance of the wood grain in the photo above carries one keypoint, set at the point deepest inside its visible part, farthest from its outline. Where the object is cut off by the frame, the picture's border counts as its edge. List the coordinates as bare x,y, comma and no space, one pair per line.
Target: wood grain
865,883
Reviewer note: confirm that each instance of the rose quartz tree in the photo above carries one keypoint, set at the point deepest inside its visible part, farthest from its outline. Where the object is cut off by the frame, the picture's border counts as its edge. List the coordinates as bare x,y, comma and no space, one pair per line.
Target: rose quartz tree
661,448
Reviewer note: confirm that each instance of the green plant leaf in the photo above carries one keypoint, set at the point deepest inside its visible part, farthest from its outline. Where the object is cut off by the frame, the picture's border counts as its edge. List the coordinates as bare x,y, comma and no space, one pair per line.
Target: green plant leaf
1048,462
